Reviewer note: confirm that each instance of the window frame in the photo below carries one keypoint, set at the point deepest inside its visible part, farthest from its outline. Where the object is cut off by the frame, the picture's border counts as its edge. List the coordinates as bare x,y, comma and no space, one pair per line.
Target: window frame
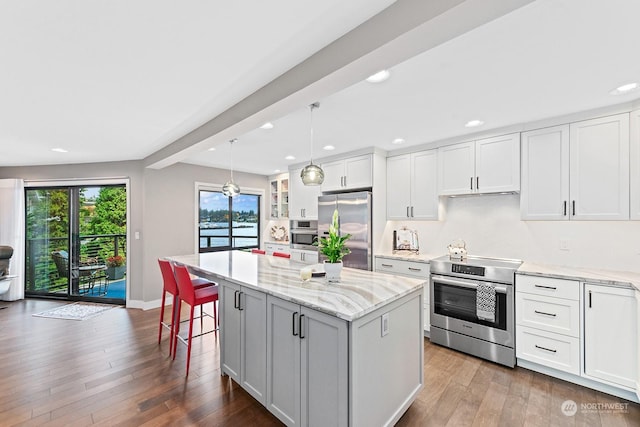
218,188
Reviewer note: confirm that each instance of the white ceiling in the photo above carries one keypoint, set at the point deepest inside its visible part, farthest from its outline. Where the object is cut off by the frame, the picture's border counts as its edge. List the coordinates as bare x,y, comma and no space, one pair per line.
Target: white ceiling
119,80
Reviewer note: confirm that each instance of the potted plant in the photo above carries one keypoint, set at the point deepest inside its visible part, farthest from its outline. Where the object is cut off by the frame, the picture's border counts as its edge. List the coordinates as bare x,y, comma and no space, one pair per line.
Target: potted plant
333,247
115,267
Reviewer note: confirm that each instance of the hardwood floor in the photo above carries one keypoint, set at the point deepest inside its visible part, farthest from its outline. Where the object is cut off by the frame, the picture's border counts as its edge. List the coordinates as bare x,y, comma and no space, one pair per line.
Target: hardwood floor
110,371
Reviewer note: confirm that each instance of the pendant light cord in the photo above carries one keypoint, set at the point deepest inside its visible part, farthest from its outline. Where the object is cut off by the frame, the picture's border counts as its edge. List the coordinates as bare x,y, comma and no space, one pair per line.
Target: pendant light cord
231,142
312,107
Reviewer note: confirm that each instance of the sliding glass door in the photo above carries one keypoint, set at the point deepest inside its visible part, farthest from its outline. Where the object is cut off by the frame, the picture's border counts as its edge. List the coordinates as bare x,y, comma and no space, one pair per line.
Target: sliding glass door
76,242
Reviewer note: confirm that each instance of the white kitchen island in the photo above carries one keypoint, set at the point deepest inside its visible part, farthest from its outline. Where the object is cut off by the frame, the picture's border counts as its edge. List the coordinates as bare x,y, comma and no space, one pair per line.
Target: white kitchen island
313,353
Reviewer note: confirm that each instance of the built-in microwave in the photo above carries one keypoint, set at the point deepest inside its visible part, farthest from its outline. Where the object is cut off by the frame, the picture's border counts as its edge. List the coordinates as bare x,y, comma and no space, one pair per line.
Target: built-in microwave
303,234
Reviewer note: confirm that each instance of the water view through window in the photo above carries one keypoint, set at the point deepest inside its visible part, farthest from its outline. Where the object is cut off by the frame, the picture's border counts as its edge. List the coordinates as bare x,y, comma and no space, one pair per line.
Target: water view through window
228,223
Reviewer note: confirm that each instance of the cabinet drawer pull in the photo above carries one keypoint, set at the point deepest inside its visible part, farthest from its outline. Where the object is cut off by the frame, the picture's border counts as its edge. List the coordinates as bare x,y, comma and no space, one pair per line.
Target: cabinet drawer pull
411,211
546,314
407,211
553,288
240,307
477,182
236,303
471,183
301,326
565,208
387,265
415,269
573,207
293,324
546,349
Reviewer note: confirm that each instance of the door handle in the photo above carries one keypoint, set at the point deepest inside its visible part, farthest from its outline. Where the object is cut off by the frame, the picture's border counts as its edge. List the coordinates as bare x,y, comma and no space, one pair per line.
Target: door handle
589,299
301,326
411,211
471,183
477,182
293,324
565,208
240,301
407,211
573,207
236,304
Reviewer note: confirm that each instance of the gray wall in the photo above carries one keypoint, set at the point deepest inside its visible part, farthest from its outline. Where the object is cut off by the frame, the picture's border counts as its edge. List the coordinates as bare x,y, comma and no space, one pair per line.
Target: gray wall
162,208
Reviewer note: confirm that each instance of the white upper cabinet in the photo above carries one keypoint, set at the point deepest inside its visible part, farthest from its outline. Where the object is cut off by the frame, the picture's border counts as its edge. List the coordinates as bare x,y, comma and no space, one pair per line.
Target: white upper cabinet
490,165
599,167
279,196
303,199
634,149
412,186
545,174
578,171
348,174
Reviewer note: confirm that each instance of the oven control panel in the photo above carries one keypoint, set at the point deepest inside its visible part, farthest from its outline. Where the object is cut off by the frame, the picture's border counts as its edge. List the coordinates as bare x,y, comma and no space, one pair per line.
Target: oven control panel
472,270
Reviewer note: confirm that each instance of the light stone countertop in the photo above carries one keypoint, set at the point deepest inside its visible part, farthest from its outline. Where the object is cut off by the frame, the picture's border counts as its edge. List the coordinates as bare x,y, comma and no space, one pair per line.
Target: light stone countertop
408,256
605,277
358,293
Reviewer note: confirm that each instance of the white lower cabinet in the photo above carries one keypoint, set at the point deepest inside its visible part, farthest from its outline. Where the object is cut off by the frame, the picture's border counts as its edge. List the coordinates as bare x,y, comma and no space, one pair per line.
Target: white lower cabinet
548,322
581,332
306,257
415,269
243,336
307,365
611,334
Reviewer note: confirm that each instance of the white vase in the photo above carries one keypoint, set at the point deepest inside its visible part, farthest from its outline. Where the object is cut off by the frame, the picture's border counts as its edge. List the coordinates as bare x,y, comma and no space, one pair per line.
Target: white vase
333,270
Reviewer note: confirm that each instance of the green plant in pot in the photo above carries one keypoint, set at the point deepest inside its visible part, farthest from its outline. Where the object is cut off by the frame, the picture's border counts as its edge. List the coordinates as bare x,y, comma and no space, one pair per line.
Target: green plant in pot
334,248
116,267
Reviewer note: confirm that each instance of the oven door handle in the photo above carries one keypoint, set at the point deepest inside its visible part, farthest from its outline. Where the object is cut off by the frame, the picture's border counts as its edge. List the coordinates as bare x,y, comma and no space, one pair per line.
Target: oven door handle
463,283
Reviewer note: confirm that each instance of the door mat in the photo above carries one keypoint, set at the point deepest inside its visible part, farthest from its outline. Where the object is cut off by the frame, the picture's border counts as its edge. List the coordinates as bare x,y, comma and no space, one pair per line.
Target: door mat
76,311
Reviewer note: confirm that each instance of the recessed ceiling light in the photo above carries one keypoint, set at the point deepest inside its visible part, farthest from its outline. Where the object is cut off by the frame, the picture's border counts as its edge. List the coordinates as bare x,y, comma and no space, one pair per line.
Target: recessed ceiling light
267,125
290,157
328,147
212,149
59,150
276,171
473,123
398,141
624,89
378,77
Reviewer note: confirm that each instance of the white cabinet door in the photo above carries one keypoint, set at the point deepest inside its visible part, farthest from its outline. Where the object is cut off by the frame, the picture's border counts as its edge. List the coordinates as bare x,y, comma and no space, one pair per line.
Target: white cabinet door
324,382
545,174
456,169
634,149
599,165
283,360
305,257
303,199
253,333
230,331
358,172
424,185
399,187
333,175
610,334
498,164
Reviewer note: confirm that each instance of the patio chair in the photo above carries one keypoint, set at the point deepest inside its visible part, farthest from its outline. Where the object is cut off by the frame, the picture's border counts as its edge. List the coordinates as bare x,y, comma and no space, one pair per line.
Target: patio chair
86,276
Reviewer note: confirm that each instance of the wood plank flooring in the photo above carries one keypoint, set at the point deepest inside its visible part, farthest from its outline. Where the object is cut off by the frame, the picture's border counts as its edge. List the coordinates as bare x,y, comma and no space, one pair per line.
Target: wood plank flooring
110,371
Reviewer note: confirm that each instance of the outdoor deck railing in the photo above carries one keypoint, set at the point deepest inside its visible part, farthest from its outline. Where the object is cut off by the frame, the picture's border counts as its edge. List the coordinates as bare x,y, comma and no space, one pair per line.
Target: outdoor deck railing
42,275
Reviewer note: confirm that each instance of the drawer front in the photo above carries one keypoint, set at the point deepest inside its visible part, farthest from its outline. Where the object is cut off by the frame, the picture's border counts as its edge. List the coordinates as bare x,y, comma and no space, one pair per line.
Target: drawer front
559,288
270,248
548,349
419,270
557,315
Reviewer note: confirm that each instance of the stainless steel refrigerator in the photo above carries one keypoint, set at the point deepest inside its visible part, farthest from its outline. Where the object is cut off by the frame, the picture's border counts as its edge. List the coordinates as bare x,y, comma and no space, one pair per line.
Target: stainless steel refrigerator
354,210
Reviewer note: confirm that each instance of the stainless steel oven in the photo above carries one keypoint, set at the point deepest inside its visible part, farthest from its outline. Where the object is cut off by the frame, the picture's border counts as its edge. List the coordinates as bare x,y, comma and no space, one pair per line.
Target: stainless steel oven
303,235
455,319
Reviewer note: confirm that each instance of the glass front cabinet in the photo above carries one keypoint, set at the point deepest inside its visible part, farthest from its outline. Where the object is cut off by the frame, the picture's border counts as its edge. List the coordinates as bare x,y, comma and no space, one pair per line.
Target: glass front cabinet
279,197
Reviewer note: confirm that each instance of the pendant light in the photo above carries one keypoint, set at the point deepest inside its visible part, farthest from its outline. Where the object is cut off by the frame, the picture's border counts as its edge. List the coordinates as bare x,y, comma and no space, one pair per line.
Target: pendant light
312,174
231,189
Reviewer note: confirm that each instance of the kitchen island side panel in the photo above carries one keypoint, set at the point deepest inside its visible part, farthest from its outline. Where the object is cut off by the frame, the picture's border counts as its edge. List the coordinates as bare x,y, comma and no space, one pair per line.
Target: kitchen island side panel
386,369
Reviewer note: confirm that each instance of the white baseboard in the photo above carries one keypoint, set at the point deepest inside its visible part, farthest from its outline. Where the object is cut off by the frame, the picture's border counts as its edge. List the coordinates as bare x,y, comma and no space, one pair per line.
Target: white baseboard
148,305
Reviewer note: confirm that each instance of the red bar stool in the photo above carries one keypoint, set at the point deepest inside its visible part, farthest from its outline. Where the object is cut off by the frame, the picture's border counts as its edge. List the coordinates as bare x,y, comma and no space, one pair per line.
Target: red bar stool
170,285
258,251
281,254
194,297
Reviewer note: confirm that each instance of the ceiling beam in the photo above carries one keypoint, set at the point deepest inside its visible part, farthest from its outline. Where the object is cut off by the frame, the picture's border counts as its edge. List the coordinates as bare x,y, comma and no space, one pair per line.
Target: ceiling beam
403,30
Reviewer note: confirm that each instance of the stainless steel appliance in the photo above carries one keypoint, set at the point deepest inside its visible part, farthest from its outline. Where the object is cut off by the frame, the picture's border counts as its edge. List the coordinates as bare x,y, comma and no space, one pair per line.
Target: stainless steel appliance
456,321
303,235
354,211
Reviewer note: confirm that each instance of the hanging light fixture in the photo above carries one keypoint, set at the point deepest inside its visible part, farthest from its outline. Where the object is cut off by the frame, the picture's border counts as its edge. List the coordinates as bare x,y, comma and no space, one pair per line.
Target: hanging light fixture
312,174
231,189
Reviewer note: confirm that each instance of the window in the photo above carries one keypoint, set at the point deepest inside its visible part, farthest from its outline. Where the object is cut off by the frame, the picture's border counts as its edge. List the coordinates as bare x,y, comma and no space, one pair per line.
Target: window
228,223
